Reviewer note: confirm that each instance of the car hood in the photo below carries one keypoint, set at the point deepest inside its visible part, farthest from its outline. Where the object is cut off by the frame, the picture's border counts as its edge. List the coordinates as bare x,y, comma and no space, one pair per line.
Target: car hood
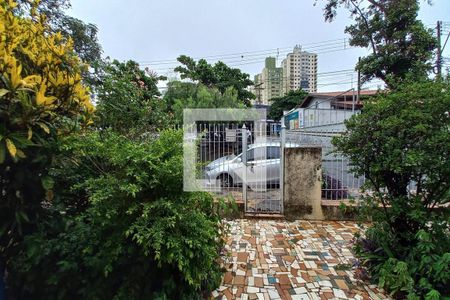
220,161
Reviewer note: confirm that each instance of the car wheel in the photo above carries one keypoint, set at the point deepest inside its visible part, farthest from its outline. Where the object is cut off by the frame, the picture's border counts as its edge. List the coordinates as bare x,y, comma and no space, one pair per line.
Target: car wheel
225,180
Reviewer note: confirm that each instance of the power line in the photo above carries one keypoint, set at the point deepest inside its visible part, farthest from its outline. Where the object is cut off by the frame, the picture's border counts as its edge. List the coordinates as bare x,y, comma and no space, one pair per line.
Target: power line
253,60
279,50
338,80
250,53
323,48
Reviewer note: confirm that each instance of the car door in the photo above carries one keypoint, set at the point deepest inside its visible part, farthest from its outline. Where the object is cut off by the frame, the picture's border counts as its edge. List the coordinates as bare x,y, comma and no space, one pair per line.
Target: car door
273,164
238,168
255,168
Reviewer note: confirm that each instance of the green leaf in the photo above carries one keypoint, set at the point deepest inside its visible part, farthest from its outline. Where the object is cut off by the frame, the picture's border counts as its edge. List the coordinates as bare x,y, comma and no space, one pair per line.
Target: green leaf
24,216
433,295
47,182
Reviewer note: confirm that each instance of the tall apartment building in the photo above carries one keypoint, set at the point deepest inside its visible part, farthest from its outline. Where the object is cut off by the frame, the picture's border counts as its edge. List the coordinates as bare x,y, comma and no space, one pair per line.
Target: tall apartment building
268,84
300,71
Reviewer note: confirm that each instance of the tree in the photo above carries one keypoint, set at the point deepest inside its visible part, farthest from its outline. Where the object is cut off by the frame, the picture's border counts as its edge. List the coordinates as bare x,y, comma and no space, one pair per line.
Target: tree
219,76
128,99
84,36
181,95
179,90
287,102
42,98
401,47
401,143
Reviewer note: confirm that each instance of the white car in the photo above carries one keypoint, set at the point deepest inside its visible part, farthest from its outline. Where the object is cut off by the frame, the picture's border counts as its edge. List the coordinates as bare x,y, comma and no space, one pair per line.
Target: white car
263,166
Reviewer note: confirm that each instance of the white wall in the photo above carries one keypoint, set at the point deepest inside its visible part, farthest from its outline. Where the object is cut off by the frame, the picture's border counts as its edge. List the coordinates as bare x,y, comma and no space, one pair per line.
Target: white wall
320,116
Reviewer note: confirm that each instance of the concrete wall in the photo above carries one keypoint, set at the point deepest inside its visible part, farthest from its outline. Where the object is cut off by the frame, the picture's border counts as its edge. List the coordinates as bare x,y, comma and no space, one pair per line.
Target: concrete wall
302,183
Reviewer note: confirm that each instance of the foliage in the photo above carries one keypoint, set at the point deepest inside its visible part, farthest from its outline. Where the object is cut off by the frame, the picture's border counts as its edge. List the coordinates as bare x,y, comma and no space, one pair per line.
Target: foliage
179,90
140,237
219,76
182,95
285,103
401,46
401,142
84,36
415,272
128,99
98,212
51,9
41,98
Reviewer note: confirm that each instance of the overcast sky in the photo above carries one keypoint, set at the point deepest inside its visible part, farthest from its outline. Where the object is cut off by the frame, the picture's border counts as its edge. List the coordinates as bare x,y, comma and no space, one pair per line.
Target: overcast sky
155,33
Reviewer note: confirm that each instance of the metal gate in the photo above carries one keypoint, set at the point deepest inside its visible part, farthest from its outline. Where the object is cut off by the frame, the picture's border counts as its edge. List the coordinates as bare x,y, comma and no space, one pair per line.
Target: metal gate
243,160
338,180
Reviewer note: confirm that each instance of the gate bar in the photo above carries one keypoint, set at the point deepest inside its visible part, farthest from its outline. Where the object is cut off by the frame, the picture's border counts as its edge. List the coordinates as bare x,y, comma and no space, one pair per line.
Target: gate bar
283,145
244,161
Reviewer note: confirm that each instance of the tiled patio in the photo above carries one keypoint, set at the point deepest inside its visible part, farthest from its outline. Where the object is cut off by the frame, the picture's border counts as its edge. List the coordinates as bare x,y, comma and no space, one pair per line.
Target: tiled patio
292,260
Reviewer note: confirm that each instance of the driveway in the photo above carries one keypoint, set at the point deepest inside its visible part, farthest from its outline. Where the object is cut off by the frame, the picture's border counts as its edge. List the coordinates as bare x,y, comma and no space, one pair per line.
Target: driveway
292,260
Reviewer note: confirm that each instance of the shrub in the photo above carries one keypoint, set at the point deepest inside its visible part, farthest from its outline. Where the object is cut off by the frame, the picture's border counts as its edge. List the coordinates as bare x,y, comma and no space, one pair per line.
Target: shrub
401,143
127,99
139,237
41,99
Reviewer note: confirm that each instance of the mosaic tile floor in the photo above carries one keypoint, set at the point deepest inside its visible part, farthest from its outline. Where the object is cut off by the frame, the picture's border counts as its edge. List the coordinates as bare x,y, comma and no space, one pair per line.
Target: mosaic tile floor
291,260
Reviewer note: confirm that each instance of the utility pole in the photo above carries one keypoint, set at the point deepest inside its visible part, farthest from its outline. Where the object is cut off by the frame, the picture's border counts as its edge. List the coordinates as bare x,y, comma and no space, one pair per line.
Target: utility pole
359,81
258,90
439,53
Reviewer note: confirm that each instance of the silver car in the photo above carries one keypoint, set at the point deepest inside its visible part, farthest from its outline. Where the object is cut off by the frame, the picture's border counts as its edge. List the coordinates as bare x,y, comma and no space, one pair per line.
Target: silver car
263,165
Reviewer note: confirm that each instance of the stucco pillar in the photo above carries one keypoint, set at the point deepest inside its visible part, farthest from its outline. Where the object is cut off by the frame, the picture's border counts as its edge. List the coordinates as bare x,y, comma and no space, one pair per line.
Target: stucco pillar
303,183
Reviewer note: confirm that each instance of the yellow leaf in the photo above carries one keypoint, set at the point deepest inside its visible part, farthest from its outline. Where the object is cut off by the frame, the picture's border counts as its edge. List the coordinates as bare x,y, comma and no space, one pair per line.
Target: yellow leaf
50,100
20,154
44,127
15,71
31,80
30,133
11,147
3,92
40,96
12,4
41,99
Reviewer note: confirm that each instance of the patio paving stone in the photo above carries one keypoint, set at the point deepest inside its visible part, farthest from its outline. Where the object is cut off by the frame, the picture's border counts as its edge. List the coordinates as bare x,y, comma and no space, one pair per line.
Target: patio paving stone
291,260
